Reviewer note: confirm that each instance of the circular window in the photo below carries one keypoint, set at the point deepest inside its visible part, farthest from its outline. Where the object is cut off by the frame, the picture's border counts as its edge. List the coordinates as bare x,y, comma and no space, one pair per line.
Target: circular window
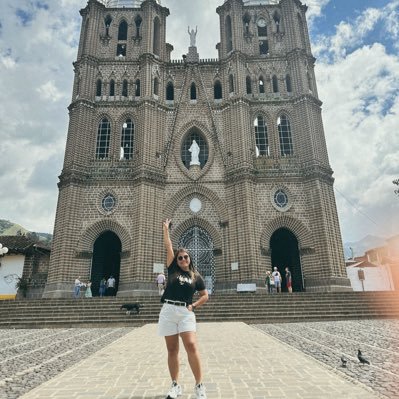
195,205
280,198
108,203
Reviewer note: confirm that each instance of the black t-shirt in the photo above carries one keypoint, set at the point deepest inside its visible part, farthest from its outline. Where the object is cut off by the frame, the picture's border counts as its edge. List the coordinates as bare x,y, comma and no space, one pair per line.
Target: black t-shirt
180,286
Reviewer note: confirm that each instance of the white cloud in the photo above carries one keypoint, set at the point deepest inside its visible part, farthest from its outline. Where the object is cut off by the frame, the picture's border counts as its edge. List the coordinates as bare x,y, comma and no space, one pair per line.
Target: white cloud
361,118
48,91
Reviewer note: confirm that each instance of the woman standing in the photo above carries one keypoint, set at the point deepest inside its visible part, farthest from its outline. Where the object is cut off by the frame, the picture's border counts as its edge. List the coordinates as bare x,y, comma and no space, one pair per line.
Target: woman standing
88,293
177,316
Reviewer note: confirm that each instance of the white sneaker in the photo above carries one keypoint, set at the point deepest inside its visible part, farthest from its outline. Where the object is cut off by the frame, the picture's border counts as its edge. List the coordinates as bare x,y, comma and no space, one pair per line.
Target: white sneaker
200,391
174,391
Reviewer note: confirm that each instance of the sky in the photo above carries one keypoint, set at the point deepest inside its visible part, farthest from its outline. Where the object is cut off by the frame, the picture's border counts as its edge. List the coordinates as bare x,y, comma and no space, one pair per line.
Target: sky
356,46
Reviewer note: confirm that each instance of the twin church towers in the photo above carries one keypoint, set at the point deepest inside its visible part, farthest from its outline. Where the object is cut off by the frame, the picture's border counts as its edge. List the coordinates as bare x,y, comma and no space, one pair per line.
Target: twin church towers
231,149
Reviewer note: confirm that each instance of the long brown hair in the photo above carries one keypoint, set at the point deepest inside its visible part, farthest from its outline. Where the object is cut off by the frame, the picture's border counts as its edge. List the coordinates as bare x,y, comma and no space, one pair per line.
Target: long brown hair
192,270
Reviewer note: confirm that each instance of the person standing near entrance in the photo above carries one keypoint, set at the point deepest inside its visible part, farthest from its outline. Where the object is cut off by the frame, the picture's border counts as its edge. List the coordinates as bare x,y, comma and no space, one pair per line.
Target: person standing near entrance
268,282
160,281
77,286
177,316
88,293
103,286
111,286
277,279
288,279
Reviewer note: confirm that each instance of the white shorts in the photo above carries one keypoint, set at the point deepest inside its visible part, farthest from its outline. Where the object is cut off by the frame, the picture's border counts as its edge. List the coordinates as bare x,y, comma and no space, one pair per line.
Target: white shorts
175,320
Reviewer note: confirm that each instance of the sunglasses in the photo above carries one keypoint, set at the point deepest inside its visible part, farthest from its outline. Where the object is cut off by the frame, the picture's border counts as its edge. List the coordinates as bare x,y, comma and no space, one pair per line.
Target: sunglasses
185,257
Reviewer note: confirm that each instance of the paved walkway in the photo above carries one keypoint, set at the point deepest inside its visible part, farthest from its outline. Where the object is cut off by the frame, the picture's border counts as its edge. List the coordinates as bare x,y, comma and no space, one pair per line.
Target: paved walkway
239,361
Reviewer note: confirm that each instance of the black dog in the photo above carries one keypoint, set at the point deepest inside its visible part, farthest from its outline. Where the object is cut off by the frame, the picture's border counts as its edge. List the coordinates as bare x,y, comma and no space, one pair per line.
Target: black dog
132,307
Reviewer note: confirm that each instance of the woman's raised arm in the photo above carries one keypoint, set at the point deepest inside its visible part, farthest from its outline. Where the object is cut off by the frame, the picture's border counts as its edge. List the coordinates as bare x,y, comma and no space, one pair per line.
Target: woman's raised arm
167,242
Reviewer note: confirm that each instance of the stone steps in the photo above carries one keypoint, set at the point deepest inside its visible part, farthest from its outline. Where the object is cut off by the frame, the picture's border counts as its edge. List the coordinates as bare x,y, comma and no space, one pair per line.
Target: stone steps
245,307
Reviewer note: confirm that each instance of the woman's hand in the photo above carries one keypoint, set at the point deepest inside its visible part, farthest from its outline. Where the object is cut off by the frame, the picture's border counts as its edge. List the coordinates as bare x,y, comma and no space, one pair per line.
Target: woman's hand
166,223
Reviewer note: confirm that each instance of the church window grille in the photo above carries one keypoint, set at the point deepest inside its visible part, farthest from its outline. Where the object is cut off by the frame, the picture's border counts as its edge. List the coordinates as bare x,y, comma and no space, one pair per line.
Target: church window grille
103,139
248,85
170,92
127,140
288,83
229,34
137,88
108,203
280,198
112,88
157,36
202,144
217,90
285,137
125,88
275,84
261,139
200,245
261,85
193,91
99,88
231,84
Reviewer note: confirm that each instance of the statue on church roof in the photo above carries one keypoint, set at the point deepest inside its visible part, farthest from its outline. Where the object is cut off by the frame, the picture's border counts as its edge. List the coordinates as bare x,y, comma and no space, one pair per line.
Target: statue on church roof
193,35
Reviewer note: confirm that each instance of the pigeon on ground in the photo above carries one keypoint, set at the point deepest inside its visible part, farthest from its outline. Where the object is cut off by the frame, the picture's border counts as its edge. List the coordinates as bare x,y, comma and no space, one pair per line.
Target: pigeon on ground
361,358
344,360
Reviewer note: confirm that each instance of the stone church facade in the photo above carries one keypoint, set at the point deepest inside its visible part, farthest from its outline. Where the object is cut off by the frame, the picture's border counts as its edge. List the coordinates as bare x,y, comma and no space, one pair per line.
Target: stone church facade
260,193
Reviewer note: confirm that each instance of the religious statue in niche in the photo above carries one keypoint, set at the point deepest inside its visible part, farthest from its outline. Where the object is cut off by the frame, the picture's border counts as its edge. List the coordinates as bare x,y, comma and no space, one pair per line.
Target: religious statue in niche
194,149
193,35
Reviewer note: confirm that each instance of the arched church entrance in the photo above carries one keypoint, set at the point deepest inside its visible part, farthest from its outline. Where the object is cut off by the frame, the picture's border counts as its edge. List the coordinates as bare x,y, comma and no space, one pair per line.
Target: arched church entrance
200,245
285,253
106,260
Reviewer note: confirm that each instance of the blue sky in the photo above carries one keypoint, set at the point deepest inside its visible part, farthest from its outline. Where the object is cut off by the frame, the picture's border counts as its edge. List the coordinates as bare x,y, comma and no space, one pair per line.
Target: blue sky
355,42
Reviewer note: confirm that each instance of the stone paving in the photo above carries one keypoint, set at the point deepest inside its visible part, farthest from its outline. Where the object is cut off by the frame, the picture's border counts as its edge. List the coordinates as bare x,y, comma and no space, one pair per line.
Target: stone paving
239,361
30,357
328,341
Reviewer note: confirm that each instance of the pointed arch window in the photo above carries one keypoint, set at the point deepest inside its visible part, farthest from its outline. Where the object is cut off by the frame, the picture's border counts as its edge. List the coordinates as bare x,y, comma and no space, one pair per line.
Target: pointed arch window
275,84
277,21
125,88
285,136
310,86
261,139
246,21
122,38
112,88
170,92
229,34
103,139
288,83
137,88
261,85
193,91
157,36
138,21
231,84
108,21
217,90
248,84
127,140
122,31
99,86
203,154
156,86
